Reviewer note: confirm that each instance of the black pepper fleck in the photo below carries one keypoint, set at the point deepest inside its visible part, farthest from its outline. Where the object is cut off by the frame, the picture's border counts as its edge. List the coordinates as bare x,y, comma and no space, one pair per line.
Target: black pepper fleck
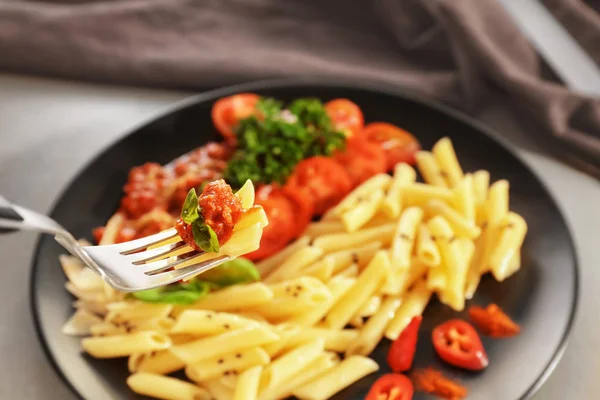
355,258
226,326
238,355
220,361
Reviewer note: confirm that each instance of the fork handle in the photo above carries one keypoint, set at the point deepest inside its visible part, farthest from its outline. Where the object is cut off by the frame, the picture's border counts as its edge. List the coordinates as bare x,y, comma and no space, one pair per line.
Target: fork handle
7,212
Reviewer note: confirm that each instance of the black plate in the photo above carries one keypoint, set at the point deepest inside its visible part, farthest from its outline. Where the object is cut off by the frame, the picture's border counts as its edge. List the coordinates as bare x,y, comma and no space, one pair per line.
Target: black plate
542,297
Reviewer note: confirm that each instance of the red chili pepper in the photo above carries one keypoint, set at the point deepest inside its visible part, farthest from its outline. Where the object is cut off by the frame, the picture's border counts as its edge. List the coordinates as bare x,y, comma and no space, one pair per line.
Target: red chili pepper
492,321
391,387
457,343
402,351
432,381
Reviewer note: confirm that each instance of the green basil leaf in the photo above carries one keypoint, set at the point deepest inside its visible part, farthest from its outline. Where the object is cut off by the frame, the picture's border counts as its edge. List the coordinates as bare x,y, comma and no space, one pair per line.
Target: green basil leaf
239,270
171,295
189,211
205,237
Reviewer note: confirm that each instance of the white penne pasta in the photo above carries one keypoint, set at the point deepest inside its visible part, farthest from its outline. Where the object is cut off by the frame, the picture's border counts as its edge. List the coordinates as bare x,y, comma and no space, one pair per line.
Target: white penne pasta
360,256
474,274
164,387
247,384
337,378
464,201
229,381
429,169
461,226
446,158
322,363
481,183
108,329
95,307
362,211
514,264
204,322
437,280
372,333
111,229
138,311
286,332
350,272
365,286
418,194
253,216
80,323
268,264
343,241
161,362
316,229
427,251
413,304
496,211
160,325
321,270
125,345
377,182
289,364
356,322
370,307
226,364
455,269
404,238
510,238
214,346
80,276
237,297
466,249
246,194
338,286
218,390
86,295
335,340
392,203
296,262
404,279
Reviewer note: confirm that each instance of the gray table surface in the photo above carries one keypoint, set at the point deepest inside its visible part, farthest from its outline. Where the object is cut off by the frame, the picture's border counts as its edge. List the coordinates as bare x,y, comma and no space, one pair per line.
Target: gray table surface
49,129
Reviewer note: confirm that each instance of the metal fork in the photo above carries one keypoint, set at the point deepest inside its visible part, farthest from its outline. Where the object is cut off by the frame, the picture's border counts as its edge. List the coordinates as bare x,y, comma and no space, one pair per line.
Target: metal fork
128,267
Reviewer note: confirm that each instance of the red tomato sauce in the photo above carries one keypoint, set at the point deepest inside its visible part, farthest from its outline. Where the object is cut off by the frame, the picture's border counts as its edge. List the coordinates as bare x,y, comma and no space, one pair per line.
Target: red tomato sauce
221,208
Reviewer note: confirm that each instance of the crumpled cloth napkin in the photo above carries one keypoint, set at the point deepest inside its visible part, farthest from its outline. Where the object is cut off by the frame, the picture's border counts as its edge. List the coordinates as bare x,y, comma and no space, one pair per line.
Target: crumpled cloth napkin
458,51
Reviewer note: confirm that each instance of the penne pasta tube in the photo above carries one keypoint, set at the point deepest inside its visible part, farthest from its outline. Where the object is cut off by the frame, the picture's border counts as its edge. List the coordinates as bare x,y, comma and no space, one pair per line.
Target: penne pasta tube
213,346
95,307
456,270
392,202
511,237
356,322
321,270
237,297
112,229
343,241
481,183
360,256
496,211
365,286
464,201
138,311
125,345
338,286
372,333
161,325
286,332
344,374
161,362
81,323
466,249
427,251
229,380
204,322
377,182
316,229
322,363
218,390
461,226
268,264
418,194
289,364
429,169
335,340
404,279
164,387
446,158
370,307
413,304
404,238
474,274
350,272
362,212
247,384
226,364
296,262
514,264
436,280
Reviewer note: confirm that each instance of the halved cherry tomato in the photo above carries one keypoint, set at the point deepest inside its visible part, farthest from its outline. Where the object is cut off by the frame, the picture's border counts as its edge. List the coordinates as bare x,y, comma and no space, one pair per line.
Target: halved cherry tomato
399,146
457,343
322,179
492,321
391,387
228,111
280,213
361,160
303,207
402,351
345,116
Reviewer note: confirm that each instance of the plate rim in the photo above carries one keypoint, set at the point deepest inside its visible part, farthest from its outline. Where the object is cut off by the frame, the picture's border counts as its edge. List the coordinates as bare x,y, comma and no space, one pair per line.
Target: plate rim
367,85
